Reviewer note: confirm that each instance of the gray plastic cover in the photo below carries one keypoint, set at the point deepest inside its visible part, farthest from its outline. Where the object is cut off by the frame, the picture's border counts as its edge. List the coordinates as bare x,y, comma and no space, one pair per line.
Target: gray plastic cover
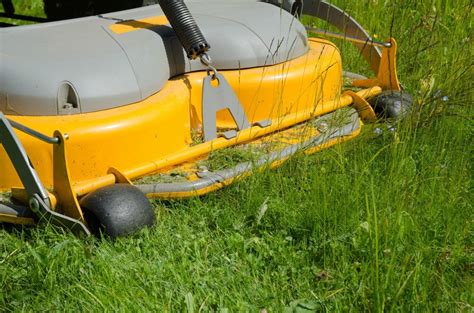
80,65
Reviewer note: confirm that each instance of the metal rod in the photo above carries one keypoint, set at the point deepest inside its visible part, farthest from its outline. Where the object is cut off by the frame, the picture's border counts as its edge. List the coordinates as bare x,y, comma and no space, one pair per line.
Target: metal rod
34,133
369,42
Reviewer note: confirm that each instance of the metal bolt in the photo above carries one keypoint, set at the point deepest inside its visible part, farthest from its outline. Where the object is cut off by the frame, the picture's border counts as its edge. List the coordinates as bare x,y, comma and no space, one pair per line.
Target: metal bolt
34,205
203,168
323,127
378,131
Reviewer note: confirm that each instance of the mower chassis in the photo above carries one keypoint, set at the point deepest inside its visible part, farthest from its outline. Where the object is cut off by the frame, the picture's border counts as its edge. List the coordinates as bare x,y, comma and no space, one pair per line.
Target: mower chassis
41,204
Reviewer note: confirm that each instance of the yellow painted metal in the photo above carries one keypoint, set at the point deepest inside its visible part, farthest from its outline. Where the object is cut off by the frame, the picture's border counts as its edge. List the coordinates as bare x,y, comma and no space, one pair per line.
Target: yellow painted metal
387,77
297,86
133,25
20,194
155,134
119,176
67,200
142,137
123,138
366,112
12,219
246,135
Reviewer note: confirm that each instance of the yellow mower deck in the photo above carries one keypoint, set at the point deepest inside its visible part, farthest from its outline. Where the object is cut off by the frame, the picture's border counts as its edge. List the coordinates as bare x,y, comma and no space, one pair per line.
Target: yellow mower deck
146,141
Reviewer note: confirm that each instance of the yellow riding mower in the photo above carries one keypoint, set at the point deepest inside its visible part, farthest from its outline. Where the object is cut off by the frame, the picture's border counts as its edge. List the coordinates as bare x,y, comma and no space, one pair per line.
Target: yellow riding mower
102,112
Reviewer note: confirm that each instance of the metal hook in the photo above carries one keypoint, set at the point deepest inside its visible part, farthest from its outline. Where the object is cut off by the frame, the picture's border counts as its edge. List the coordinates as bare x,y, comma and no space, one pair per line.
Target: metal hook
206,60
214,72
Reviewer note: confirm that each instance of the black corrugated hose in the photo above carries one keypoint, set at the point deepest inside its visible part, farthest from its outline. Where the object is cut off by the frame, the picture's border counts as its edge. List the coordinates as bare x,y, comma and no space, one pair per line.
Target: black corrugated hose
185,27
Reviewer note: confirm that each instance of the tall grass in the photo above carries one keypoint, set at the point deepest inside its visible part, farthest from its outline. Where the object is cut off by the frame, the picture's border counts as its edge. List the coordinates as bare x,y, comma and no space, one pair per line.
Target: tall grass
382,223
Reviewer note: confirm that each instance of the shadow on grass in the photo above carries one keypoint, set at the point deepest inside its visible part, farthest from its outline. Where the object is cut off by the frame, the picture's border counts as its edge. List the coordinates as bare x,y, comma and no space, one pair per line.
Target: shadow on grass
19,231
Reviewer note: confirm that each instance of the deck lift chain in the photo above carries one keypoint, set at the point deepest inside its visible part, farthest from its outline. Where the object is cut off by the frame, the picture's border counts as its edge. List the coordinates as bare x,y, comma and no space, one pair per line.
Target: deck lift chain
41,202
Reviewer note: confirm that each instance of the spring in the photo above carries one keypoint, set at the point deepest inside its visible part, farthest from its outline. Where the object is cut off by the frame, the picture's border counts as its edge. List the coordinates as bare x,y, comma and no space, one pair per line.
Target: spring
185,27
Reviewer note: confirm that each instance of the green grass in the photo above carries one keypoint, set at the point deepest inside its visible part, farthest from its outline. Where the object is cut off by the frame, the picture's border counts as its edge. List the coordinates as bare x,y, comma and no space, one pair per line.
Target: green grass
382,223
25,8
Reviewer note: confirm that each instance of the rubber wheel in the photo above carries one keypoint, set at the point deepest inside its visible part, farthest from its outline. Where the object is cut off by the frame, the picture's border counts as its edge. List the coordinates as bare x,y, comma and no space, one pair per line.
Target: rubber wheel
117,210
392,104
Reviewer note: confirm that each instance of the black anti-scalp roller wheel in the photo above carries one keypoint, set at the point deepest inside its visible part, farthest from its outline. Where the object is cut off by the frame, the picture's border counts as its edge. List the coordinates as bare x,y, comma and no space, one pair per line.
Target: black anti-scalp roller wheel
117,210
392,104
185,27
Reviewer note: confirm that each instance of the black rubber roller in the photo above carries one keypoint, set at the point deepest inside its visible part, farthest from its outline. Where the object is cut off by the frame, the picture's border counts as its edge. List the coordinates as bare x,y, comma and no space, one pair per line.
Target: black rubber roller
117,210
185,27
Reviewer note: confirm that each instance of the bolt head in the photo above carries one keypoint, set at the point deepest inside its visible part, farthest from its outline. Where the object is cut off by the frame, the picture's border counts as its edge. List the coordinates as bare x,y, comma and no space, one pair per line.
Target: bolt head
34,205
323,127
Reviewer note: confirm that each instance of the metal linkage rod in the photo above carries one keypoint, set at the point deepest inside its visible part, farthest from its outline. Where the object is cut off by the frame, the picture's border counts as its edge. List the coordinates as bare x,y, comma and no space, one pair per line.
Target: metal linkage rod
34,133
368,42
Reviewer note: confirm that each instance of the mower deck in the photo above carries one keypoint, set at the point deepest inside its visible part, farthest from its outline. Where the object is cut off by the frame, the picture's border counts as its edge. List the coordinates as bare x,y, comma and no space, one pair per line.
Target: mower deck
148,135
162,139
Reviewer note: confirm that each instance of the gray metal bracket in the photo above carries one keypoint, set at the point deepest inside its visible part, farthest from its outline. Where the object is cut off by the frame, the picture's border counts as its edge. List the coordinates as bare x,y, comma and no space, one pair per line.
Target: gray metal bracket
38,196
228,134
263,123
216,98
36,203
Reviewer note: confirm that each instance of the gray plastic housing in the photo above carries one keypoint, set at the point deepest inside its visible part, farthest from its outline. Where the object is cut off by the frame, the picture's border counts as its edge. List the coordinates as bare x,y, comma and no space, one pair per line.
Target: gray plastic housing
81,65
